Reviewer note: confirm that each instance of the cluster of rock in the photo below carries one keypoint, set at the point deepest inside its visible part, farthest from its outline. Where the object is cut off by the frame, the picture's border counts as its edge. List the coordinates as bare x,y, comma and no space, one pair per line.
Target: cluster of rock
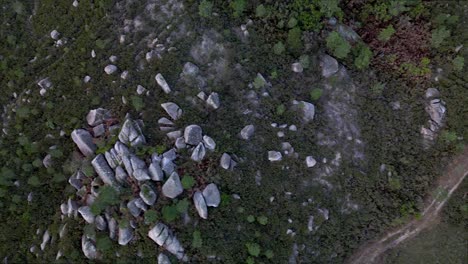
119,168
435,107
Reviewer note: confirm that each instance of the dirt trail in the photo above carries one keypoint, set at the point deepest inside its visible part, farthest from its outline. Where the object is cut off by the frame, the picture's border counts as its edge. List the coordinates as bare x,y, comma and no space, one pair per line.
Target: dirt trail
456,172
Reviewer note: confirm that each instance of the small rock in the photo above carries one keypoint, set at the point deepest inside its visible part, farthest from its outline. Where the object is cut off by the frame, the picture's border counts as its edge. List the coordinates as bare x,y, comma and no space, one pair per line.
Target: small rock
159,233
212,195
202,95
247,132
88,247
75,3
85,212
103,169
121,175
180,143
45,239
97,116
162,83
131,133
124,75
213,100
172,110
193,135
140,89
99,130
110,69
227,162
198,153
84,141
209,143
307,110
54,34
167,166
113,59
100,223
86,79
310,161
329,66
172,187
47,161
292,128
93,54
174,135
140,172
125,235
156,172
432,93
163,259
297,67
147,194
200,205
274,156
134,206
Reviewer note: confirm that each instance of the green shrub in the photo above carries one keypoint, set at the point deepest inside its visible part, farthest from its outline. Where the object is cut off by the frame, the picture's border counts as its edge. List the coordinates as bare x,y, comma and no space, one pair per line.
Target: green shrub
338,45
292,22
259,82
363,59
263,220
315,94
137,103
330,8
197,241
260,11
280,109
151,216
188,182
205,8
182,205
439,35
386,33
278,48
238,7
250,218
294,39
253,249
305,61
458,63
269,254
169,213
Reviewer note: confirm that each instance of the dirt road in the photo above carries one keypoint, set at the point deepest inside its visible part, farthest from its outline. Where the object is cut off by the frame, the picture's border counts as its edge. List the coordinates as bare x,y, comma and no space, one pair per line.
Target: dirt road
449,182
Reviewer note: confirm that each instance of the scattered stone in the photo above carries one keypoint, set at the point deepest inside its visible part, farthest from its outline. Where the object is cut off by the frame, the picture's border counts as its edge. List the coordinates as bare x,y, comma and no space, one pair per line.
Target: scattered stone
140,172
105,172
99,130
292,128
93,54
159,233
209,143
212,195
84,141
74,181
47,161
213,100
180,143
280,134
75,3
310,161
172,187
125,235
198,153
329,65
307,110
226,162
110,69
85,212
172,110
174,135
86,79
140,89
202,95
167,166
274,156
112,158
112,228
100,223
247,132
163,259
54,34
162,83
200,205
193,135
156,172
45,239
97,116
131,133
88,247
147,194
124,75
432,93
297,67
113,59
134,206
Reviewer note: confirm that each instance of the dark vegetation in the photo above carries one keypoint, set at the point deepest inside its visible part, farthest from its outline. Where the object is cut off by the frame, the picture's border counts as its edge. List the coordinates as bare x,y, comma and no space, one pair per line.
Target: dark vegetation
282,31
